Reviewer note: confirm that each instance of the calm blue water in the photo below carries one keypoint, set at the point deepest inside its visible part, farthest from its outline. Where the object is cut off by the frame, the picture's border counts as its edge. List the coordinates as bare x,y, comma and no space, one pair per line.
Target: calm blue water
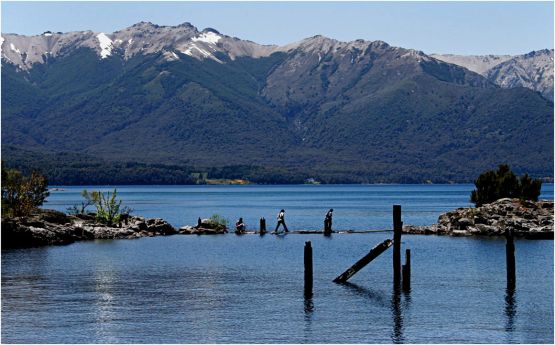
355,207
249,289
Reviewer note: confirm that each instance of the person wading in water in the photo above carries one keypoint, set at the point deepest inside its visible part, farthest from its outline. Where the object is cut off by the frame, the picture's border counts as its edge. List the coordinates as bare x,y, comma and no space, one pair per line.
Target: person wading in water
281,220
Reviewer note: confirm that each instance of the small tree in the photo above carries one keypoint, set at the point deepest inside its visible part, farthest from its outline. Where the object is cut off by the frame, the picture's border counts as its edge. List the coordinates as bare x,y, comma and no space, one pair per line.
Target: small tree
108,208
530,188
22,194
89,197
503,183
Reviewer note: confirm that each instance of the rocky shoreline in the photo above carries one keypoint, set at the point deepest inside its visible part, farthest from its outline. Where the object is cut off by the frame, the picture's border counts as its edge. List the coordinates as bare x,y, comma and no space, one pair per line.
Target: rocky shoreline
49,227
526,219
533,220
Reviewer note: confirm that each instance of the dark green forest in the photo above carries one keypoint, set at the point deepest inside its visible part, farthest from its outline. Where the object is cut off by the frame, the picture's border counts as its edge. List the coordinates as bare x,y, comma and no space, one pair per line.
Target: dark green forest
79,169
385,119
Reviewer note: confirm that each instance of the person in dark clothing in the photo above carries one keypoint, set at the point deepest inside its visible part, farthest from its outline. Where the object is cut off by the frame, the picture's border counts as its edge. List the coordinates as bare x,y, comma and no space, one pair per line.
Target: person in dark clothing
281,220
328,221
240,226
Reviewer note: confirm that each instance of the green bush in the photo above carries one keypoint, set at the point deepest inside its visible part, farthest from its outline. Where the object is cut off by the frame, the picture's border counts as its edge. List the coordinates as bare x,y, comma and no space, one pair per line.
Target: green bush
218,222
108,208
503,183
22,194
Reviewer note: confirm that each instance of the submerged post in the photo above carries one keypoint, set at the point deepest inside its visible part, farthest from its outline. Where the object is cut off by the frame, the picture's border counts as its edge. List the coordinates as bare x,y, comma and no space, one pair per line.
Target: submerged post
397,228
510,253
262,226
308,269
406,271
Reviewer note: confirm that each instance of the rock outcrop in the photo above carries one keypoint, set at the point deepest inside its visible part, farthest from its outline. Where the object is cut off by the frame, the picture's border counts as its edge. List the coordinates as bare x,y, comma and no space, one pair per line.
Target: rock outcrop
526,219
48,227
204,227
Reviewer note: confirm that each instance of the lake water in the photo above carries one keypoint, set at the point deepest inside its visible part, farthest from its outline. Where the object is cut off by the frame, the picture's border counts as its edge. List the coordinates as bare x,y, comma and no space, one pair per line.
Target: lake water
249,289
357,207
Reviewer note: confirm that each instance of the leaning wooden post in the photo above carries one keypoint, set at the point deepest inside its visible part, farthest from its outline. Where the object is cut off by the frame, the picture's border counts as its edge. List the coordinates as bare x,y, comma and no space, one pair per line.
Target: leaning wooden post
510,253
308,269
406,271
397,228
372,254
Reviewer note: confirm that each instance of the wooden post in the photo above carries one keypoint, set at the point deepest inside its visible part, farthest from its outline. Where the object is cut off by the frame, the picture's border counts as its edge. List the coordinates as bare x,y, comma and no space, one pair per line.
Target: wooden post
510,253
406,271
327,228
262,226
397,228
372,254
308,269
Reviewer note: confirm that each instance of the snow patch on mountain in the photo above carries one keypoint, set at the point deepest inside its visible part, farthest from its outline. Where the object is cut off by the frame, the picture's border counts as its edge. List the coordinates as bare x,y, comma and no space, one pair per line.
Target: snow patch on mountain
14,49
207,37
203,53
106,45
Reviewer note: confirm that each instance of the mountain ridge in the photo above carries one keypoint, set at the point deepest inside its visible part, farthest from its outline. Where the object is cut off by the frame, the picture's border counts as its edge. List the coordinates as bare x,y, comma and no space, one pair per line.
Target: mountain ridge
533,70
343,111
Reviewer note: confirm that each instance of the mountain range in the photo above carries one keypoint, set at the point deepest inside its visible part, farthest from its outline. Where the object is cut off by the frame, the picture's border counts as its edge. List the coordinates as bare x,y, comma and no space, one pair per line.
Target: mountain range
174,97
533,70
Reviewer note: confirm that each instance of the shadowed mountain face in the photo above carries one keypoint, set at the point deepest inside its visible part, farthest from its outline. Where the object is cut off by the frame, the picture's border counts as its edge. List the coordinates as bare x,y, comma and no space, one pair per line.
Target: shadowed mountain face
343,111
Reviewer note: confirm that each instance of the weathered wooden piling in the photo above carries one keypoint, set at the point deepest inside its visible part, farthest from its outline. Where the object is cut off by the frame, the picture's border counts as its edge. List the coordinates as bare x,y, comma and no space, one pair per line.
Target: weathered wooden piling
372,254
327,227
406,271
308,269
397,228
510,254
262,226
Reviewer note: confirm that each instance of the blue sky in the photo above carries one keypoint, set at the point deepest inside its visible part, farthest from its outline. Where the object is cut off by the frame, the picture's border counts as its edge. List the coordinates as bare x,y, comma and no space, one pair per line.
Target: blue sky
434,27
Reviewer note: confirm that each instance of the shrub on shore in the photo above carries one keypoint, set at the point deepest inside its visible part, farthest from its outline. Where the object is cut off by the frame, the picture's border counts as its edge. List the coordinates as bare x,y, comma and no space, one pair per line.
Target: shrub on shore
108,208
503,183
218,222
22,194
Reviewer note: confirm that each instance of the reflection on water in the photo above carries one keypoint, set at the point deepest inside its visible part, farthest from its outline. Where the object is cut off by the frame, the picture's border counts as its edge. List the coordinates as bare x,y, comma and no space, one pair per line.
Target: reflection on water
308,308
104,305
510,309
397,309
397,313
376,297
230,289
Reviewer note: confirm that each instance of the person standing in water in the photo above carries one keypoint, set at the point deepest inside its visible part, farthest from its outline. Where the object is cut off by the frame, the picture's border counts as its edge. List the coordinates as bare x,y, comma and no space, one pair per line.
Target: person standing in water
281,220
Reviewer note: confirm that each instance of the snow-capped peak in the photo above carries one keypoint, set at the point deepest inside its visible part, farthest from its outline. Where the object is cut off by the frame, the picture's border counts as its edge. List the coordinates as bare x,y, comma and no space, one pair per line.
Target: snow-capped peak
105,45
207,37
